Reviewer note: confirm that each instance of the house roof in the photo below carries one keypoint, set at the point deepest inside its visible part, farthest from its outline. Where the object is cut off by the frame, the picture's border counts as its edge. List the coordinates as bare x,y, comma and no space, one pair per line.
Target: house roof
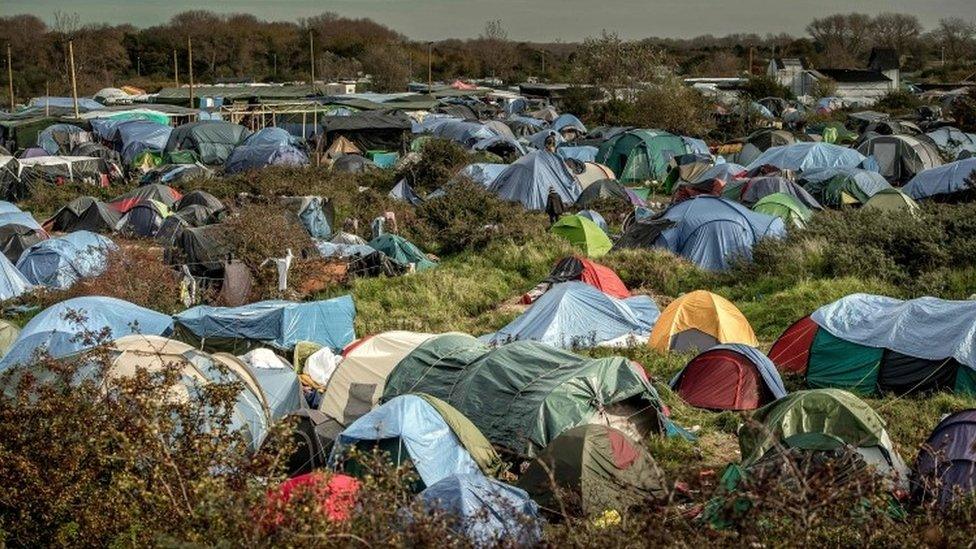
853,76
791,62
884,59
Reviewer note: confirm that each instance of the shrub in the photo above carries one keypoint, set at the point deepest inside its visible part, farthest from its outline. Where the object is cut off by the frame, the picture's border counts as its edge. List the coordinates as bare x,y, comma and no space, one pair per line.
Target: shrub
964,111
439,161
762,86
898,102
46,199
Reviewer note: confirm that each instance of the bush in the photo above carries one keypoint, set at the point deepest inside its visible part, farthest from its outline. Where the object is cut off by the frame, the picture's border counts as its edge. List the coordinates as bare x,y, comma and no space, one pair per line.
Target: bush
46,199
964,111
762,86
898,102
668,105
439,161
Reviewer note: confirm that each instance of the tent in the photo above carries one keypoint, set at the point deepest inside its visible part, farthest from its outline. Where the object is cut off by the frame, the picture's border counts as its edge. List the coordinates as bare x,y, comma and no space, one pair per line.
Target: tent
483,174
836,187
583,234
729,377
700,320
357,383
750,191
686,168
334,495
59,262
316,214
199,198
575,315
8,334
143,219
568,125
607,189
762,140
368,130
946,183
725,172
352,163
138,136
953,141
596,468
57,170
874,344
212,140
901,157
801,157
784,207
486,512
12,282
203,249
277,324
19,231
403,192
176,173
432,435
892,200
524,394
55,330
583,153
531,177
59,138
582,269
164,194
252,157
402,251
84,214
596,218
641,155
712,232
945,469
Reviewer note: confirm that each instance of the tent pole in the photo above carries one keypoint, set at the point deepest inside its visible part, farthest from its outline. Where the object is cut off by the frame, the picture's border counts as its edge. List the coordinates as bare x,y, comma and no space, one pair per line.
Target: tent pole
10,77
74,81
189,50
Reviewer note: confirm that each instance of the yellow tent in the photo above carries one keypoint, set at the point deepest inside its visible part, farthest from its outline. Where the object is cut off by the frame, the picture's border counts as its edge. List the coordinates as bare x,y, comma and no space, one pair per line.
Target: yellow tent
700,320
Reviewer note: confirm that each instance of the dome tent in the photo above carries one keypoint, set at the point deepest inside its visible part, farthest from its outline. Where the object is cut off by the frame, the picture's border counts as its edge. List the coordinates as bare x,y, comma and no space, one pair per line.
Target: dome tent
60,262
784,207
12,282
598,467
583,234
84,214
582,269
836,187
729,377
892,200
402,251
700,320
138,136
800,157
945,469
641,155
751,191
8,334
164,194
946,183
530,179
874,344
901,157
212,140
143,219
607,189
576,315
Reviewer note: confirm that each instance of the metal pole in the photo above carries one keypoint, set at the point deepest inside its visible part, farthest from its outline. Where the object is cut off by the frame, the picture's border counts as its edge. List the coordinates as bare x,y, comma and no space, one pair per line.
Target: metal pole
74,81
10,77
189,51
311,56
176,69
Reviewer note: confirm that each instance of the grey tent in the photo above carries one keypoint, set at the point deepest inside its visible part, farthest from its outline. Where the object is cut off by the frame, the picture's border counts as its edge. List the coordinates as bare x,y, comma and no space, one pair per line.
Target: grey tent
901,157
84,214
530,179
200,198
212,140
352,163
751,191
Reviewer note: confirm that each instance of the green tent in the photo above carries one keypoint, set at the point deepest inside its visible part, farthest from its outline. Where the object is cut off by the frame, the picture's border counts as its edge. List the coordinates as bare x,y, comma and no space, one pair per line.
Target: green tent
641,155
594,468
524,394
892,200
784,207
402,251
583,234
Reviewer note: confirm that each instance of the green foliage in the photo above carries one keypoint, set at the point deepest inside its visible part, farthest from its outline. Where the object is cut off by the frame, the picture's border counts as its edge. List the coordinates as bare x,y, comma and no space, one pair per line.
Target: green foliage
440,160
762,86
898,102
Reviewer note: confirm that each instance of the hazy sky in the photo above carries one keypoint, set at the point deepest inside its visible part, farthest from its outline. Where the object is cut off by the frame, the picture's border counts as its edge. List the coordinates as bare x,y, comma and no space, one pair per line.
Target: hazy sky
540,20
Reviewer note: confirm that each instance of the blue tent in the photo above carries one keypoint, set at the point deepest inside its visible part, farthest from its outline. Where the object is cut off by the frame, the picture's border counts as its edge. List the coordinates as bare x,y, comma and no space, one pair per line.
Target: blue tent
530,179
868,181
488,513
19,218
725,172
805,156
482,173
460,131
57,328
251,157
59,262
697,146
767,370
136,136
538,139
499,142
583,153
45,139
421,434
12,281
575,315
8,207
953,141
709,231
278,324
567,121
595,217
945,180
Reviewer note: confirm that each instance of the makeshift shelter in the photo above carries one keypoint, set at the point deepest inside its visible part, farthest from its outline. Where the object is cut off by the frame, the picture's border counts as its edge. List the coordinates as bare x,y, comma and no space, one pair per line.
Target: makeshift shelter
836,187
709,231
901,157
582,269
403,192
784,207
138,136
596,468
524,394
762,140
874,344
204,250
700,320
368,130
84,214
212,140
166,195
605,190
199,198
18,232
750,191
59,262
431,434
55,330
143,219
945,469
352,163
729,377
583,234
641,155
251,157
485,512
8,334
176,173
276,324
402,251
316,214
482,174
61,138
575,315
952,141
12,282
892,200
58,170
725,172
530,179
568,126
946,183
801,157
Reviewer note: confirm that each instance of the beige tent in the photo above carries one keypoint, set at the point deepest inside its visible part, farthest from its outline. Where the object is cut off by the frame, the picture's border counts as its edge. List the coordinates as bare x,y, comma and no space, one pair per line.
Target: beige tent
340,147
594,172
355,387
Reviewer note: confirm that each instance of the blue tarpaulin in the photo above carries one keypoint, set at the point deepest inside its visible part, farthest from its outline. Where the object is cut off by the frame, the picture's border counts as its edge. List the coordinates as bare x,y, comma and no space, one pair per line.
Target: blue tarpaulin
488,513
270,136
8,207
12,282
801,157
432,446
576,315
459,131
725,172
530,179
278,324
136,136
583,153
567,121
869,182
944,180
57,328
538,139
60,262
927,327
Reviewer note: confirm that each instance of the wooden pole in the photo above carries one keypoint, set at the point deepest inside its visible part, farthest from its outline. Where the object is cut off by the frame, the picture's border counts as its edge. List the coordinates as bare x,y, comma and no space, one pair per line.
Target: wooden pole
74,81
47,98
10,77
430,73
176,69
189,51
311,57
275,71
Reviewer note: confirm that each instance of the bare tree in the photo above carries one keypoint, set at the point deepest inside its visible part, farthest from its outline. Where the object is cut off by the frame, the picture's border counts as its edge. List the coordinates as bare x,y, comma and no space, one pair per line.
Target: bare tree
955,35
842,37
495,49
895,30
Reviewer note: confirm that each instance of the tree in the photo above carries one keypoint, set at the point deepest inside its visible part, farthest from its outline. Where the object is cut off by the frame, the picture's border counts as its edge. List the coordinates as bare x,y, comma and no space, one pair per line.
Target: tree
389,66
495,49
843,38
895,30
955,36
622,69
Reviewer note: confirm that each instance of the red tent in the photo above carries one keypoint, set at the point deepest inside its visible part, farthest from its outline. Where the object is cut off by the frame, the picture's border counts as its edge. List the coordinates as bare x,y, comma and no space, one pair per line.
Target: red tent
582,269
722,379
335,494
791,352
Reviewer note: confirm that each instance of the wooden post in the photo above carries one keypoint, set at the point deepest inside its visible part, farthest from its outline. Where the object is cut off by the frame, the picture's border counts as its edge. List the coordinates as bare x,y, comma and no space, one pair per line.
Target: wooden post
176,69
10,77
275,71
189,51
430,73
311,56
74,81
47,98
750,60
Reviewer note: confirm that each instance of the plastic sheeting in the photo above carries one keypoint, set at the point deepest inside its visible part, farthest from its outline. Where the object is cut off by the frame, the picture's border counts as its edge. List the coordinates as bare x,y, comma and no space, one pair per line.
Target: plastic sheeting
583,153
926,327
12,282
252,157
488,513
530,179
944,180
807,156
432,446
136,136
59,262
56,328
278,324
567,121
482,173
577,315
